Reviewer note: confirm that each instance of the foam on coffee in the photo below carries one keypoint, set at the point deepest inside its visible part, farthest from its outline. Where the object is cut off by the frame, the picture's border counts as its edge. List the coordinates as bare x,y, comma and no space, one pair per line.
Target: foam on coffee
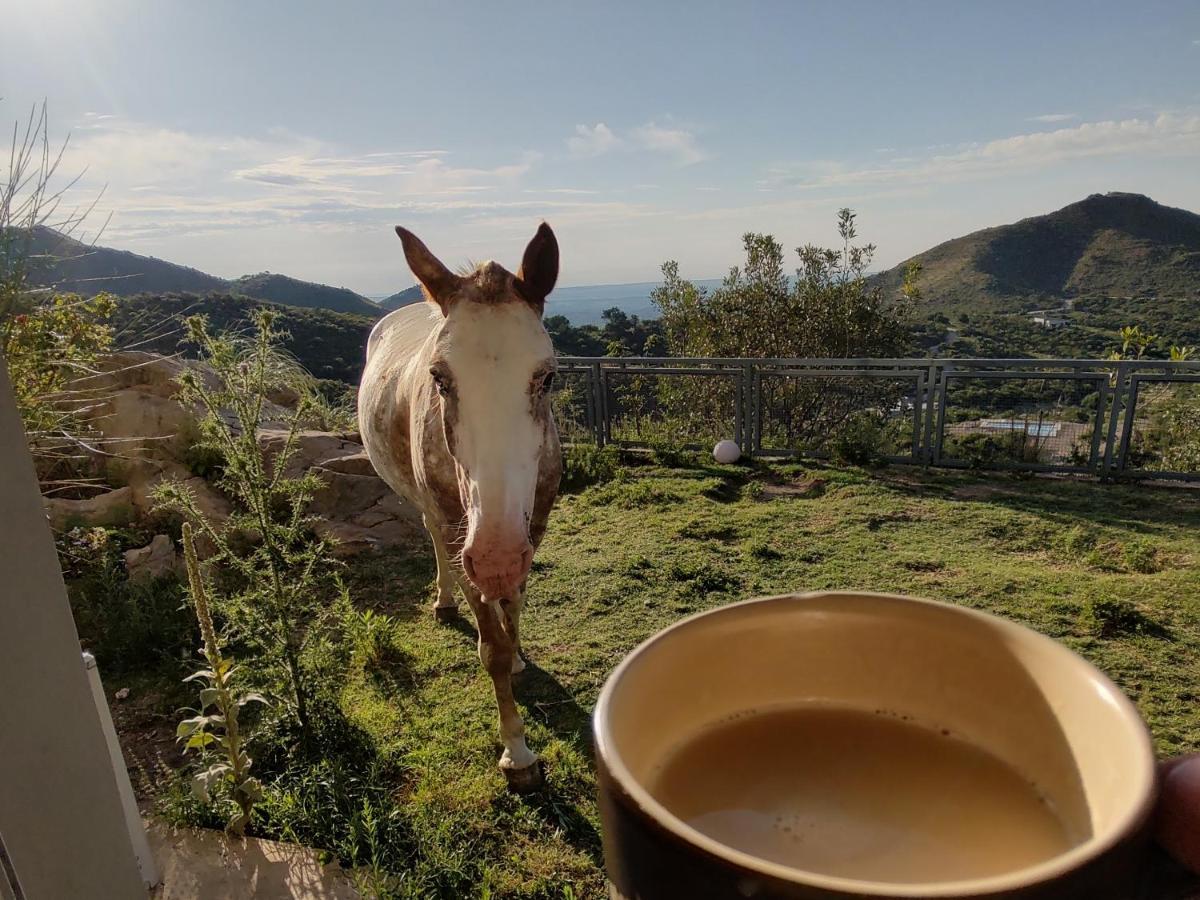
858,794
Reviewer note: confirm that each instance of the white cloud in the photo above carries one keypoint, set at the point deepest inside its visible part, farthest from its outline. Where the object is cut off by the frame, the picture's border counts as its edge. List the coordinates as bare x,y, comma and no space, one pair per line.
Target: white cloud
677,142
1168,134
592,140
1051,118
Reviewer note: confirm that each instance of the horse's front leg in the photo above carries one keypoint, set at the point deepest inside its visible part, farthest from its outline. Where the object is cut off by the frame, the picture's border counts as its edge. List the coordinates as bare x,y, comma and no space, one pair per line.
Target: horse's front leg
512,609
446,607
521,767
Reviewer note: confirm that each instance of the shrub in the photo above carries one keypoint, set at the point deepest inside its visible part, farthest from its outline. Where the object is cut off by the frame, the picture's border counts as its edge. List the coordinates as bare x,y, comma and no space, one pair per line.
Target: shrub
276,573
1112,617
979,451
1140,556
128,626
587,464
859,442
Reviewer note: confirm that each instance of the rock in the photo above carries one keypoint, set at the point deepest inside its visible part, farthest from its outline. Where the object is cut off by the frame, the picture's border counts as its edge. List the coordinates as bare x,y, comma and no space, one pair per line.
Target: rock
113,507
156,560
122,694
312,448
344,496
353,464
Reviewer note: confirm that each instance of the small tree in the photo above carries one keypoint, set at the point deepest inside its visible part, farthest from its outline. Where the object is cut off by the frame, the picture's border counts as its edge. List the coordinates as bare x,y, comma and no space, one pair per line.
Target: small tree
828,309
278,569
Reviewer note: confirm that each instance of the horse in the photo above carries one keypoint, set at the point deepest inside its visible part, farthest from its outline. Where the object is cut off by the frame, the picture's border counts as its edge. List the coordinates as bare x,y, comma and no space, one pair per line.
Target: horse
454,409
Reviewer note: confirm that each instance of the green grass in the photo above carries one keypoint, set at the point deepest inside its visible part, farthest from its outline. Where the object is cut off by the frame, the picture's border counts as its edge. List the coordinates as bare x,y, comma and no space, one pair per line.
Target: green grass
1110,570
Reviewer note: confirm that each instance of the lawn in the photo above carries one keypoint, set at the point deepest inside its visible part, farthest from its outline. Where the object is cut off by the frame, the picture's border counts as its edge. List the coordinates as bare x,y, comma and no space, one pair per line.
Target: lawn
1110,570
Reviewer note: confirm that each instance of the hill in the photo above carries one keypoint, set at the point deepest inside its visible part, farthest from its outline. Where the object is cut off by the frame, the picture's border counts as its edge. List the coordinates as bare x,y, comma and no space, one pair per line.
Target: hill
328,344
293,292
1108,245
74,267
78,268
402,298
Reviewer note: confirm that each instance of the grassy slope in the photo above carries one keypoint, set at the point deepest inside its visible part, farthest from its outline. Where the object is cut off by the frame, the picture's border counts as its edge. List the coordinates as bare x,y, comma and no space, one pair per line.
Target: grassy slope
624,559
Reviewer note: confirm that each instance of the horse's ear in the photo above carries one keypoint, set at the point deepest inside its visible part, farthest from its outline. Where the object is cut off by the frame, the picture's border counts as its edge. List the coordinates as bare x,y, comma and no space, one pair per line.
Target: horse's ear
438,281
539,267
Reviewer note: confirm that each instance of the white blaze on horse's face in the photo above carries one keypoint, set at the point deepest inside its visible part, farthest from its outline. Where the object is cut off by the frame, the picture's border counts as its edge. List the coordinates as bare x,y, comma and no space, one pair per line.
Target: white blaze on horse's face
492,368
494,365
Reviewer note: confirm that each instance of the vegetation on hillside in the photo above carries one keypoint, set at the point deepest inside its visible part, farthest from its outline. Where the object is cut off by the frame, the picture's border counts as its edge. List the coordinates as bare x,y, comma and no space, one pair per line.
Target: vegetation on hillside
1113,245
330,345
293,292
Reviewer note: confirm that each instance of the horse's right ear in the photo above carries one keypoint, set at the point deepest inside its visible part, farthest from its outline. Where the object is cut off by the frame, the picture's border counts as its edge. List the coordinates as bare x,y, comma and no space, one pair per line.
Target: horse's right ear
438,282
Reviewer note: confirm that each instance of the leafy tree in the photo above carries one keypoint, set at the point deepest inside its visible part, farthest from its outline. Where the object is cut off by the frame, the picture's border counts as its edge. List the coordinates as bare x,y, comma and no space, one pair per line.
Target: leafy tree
828,309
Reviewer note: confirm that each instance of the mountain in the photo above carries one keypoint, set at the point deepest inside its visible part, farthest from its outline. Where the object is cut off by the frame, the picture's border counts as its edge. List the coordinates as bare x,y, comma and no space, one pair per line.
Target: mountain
293,292
402,298
74,267
1110,245
78,268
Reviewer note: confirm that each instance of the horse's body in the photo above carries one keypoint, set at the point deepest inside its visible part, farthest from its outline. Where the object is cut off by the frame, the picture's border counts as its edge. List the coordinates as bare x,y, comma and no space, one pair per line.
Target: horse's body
455,415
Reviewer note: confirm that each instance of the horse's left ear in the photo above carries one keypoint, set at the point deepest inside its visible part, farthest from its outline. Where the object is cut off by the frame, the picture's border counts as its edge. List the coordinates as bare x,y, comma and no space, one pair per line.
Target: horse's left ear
539,267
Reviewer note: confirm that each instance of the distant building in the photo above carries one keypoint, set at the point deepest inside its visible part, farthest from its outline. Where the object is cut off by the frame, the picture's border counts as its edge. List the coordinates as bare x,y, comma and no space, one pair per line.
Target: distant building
1049,318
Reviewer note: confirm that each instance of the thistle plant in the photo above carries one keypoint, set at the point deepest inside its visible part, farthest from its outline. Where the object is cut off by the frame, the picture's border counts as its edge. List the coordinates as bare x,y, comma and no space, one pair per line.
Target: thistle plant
215,731
277,571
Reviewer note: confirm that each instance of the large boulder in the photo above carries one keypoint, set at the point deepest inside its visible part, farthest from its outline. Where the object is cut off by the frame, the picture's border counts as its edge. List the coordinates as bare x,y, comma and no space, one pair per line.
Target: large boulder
156,560
113,507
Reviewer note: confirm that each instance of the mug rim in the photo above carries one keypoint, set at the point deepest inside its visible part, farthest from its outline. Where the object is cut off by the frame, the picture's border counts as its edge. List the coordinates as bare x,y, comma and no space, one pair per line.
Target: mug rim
1076,857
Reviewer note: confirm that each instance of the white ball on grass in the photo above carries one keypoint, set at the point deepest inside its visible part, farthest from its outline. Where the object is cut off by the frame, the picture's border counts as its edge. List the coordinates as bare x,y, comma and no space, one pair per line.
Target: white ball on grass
726,452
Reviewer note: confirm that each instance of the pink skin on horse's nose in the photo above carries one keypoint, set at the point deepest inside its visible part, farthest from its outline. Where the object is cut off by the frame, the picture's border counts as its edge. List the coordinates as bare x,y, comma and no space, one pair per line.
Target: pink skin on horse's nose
495,568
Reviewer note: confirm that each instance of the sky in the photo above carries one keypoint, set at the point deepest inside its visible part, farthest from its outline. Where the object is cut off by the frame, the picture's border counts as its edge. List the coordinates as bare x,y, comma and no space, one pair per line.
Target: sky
239,137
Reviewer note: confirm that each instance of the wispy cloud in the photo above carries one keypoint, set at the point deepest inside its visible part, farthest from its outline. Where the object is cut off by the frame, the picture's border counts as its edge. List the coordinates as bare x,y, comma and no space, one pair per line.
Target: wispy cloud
163,180
1170,134
592,140
1051,118
677,142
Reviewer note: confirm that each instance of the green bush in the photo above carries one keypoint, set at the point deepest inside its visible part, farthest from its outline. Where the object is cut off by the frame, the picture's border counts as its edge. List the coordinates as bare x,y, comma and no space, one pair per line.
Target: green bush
1140,556
128,626
979,451
587,464
859,442
1112,617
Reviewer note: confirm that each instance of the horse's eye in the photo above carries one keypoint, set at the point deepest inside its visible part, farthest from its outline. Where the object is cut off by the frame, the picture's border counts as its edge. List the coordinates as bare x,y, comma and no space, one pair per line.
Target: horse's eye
547,382
440,383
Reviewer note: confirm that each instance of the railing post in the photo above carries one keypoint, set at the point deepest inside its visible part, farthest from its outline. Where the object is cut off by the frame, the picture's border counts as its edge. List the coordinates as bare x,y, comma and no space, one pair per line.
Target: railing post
935,455
746,385
1118,395
597,385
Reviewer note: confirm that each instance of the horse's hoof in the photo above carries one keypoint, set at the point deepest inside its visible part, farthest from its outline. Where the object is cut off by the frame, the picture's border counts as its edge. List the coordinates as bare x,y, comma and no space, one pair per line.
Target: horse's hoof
445,614
526,780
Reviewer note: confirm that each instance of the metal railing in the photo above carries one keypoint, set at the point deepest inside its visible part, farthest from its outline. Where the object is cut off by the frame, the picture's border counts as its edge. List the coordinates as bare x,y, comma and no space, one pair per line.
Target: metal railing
1102,417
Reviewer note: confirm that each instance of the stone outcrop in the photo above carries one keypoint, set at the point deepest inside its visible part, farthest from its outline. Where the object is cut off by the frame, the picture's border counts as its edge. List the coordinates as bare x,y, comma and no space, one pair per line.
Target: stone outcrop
146,434
156,560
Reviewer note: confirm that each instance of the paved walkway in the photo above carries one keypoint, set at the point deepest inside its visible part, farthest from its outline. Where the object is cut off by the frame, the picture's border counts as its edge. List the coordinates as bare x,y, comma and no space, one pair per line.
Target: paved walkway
196,864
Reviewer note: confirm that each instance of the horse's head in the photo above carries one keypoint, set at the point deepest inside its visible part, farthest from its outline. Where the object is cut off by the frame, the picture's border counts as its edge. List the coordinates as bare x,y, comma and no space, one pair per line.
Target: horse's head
489,377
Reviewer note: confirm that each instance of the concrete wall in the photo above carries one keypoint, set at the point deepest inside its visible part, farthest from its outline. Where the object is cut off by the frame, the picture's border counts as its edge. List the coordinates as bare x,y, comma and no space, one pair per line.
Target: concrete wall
60,813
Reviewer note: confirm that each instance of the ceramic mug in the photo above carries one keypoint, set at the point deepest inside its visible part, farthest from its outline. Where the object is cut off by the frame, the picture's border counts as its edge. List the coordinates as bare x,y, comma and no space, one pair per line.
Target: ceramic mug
1026,699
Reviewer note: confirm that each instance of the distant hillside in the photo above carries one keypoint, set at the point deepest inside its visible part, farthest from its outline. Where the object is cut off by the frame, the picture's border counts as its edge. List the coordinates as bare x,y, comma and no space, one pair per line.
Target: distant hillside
70,266
403,298
328,344
293,292
73,267
1114,245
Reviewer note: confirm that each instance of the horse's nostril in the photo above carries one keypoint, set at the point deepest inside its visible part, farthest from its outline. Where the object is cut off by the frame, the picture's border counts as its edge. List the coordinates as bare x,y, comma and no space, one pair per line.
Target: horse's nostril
469,566
526,559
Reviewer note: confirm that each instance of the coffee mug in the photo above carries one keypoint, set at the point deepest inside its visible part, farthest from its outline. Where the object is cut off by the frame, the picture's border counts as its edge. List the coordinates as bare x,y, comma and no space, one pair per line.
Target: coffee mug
1022,716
